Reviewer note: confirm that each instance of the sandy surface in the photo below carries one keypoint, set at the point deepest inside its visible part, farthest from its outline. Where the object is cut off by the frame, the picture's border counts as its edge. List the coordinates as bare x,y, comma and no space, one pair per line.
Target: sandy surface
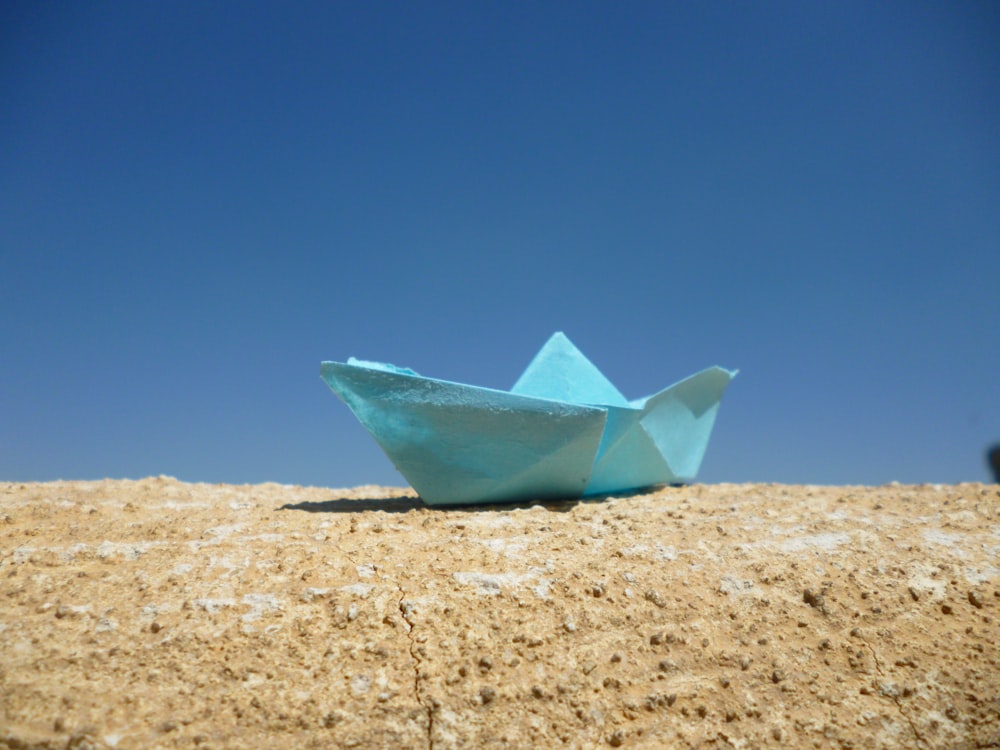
162,614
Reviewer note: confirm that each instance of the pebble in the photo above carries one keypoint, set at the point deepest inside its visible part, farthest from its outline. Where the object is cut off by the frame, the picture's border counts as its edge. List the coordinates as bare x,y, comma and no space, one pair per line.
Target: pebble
655,598
976,599
655,700
813,599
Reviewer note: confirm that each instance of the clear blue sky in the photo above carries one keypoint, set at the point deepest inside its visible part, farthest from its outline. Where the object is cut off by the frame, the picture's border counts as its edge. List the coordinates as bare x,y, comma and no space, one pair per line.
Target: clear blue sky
200,201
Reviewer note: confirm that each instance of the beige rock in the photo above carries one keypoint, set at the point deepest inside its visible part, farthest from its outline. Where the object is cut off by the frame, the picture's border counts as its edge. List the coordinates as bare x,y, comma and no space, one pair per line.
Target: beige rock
162,614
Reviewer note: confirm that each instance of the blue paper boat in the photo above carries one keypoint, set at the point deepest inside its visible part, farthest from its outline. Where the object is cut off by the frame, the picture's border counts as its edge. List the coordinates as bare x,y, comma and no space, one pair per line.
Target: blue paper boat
562,431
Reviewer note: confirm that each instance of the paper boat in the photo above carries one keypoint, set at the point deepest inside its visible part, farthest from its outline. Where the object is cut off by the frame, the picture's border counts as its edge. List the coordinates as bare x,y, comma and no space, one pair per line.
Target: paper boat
562,431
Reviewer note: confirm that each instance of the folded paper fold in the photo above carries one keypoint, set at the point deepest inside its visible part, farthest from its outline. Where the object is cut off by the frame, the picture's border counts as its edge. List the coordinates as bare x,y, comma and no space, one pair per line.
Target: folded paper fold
562,431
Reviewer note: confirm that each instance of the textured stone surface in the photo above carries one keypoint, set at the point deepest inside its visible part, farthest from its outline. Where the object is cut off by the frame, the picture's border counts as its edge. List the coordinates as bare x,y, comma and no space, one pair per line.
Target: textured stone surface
162,614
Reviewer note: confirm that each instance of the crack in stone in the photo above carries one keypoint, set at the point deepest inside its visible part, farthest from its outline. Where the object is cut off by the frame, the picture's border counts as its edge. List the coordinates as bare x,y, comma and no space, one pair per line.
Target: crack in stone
892,696
405,610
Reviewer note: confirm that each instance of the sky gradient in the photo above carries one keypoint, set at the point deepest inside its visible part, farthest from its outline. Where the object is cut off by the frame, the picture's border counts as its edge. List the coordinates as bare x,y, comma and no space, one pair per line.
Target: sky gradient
199,202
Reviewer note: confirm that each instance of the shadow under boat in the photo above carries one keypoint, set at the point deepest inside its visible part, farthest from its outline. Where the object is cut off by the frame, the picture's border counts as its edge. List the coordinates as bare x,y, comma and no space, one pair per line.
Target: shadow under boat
407,503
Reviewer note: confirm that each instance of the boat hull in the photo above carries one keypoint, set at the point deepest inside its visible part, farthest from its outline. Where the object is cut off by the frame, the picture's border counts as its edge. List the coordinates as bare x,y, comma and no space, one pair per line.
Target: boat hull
458,444
562,431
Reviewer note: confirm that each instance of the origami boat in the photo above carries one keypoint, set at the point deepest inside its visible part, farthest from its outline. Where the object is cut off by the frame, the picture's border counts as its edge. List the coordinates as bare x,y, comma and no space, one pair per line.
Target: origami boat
562,431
